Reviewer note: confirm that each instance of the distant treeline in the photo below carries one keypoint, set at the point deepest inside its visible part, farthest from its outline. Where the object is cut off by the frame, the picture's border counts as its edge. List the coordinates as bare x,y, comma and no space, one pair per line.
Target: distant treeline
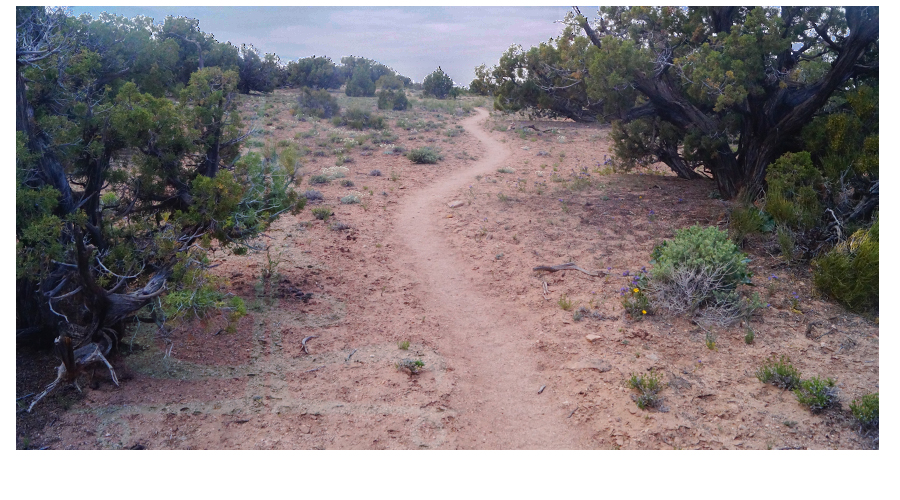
160,57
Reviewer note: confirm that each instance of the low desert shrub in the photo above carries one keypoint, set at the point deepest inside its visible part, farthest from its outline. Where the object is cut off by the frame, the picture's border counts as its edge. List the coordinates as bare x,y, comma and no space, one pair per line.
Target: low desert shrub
317,103
388,99
746,219
849,272
375,173
313,195
350,199
318,179
817,394
424,155
793,184
358,119
699,272
865,411
413,366
648,387
779,373
322,213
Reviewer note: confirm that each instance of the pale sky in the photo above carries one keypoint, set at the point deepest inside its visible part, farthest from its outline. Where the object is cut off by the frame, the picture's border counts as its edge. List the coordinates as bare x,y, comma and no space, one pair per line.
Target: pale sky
413,41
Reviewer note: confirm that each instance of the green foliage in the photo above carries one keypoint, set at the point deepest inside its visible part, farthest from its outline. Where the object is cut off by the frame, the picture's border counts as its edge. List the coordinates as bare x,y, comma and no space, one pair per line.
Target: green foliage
389,82
849,272
360,84
565,302
699,271
358,119
313,72
817,394
197,293
403,345
317,103
388,99
437,85
749,336
319,179
322,213
745,219
779,373
865,411
648,387
350,199
424,155
792,197
845,142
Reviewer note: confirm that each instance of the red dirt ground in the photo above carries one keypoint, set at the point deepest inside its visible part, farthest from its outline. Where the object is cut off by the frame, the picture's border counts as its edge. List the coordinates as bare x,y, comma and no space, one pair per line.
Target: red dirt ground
457,284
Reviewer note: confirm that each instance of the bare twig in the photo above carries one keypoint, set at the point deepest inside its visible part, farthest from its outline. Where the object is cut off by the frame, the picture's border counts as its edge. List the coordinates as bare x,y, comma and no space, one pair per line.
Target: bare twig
573,412
315,369
568,266
350,356
542,389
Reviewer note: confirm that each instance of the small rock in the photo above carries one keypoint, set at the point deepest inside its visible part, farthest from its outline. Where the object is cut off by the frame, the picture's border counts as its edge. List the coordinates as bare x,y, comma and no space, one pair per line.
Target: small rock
543,153
540,174
593,338
456,203
526,148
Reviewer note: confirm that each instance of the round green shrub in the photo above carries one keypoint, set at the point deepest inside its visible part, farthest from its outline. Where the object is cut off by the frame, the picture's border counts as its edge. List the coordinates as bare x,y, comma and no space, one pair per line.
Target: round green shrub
317,103
701,248
424,155
388,99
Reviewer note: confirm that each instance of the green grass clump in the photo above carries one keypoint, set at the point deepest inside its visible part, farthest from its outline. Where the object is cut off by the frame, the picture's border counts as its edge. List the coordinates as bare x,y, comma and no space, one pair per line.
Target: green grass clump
865,411
849,272
403,345
565,303
817,394
424,155
318,179
745,220
648,387
322,213
506,170
779,373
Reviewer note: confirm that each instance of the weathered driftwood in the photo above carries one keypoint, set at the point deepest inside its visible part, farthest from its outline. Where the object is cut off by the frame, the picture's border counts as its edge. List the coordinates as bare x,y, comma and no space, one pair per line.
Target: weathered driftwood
74,363
307,339
568,266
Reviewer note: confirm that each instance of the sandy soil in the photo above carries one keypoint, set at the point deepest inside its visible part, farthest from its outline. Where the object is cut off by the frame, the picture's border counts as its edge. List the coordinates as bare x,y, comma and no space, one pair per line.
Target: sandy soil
505,367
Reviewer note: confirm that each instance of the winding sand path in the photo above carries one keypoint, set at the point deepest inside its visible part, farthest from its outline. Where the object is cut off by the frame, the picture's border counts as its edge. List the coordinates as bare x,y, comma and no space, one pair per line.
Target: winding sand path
497,378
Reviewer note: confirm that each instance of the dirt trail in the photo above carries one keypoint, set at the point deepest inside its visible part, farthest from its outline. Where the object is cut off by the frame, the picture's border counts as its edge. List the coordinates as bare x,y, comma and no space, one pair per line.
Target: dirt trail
497,378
